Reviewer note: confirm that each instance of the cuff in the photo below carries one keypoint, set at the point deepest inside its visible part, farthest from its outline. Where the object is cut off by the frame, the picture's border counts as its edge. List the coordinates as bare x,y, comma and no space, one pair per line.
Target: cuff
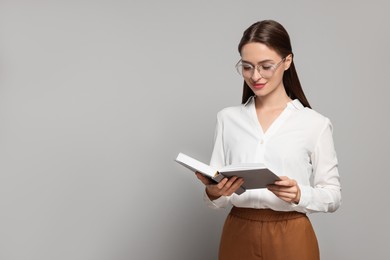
221,202
304,199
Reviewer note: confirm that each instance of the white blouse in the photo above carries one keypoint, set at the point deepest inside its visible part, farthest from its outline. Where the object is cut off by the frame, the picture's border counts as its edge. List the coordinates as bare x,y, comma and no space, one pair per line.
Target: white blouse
298,144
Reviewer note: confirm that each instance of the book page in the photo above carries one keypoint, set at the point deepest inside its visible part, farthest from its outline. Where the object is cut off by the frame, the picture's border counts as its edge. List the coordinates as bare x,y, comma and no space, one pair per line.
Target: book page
195,165
242,166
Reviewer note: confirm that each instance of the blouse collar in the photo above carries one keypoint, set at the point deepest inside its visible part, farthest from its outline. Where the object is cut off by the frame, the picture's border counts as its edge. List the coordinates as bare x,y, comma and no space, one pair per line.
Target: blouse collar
296,104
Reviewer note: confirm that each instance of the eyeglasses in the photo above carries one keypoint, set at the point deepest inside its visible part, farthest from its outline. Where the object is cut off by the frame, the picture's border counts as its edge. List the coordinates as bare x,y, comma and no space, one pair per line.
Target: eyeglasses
265,70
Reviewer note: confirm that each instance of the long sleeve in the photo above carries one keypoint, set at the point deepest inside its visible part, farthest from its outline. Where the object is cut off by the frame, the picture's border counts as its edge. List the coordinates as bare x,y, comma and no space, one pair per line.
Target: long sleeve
217,161
325,195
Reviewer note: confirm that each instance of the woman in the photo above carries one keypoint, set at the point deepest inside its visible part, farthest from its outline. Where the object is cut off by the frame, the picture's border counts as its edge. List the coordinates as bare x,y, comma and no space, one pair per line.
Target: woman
275,126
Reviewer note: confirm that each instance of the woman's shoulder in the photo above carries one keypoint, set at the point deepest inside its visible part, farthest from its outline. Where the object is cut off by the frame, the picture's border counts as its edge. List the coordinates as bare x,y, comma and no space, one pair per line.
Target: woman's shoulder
313,118
236,110
231,112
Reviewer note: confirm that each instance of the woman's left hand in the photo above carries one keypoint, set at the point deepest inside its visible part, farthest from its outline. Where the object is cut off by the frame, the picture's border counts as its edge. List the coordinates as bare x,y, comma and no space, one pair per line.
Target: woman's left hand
286,189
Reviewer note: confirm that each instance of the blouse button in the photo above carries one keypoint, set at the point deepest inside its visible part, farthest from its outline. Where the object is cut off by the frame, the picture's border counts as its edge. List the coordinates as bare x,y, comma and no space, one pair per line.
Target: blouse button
262,141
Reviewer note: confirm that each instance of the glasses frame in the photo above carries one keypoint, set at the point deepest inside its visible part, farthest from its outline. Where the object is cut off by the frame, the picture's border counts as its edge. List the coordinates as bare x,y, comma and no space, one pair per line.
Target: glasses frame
258,68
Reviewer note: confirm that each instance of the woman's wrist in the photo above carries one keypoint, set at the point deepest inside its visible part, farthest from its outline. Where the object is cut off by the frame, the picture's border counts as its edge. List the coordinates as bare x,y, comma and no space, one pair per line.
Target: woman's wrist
211,196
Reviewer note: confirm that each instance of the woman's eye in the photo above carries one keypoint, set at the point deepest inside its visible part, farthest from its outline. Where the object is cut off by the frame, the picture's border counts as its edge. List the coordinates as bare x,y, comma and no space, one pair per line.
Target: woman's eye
267,67
244,67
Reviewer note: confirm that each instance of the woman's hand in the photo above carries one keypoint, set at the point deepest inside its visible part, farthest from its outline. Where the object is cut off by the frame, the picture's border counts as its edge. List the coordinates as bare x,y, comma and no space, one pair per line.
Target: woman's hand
286,189
226,187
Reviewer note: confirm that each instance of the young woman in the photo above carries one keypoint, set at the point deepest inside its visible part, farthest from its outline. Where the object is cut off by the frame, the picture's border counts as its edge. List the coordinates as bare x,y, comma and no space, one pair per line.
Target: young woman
275,126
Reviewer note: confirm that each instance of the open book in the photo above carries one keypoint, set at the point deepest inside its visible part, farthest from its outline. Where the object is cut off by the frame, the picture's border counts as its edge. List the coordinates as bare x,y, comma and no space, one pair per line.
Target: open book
255,175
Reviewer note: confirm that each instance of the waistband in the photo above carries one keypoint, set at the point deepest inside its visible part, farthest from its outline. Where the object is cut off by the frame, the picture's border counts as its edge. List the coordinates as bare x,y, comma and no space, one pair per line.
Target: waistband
265,214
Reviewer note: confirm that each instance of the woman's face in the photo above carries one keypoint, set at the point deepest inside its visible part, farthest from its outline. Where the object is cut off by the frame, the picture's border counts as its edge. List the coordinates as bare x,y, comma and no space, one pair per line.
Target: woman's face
271,65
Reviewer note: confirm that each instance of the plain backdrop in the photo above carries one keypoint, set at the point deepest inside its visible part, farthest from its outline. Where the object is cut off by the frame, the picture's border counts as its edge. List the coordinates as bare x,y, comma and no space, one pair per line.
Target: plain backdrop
98,97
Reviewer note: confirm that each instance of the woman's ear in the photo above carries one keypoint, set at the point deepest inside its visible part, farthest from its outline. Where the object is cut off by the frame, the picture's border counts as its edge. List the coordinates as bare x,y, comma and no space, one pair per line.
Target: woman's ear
287,62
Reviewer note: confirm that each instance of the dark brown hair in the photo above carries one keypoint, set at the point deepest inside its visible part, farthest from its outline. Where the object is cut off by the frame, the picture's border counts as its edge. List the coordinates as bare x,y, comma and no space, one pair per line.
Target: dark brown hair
275,37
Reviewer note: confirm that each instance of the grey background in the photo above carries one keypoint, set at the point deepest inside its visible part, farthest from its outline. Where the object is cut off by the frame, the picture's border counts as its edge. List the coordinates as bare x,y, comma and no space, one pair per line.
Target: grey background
98,97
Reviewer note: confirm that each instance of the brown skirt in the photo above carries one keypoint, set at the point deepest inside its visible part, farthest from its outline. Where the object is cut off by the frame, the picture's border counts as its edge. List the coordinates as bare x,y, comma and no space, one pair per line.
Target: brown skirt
250,234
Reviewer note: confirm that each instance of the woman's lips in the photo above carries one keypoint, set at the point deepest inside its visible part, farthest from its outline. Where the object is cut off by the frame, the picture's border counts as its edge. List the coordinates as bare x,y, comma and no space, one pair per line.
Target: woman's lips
259,86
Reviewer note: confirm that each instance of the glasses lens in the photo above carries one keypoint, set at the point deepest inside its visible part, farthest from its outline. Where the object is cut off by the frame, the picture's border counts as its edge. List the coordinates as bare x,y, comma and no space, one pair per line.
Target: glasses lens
244,70
239,69
267,71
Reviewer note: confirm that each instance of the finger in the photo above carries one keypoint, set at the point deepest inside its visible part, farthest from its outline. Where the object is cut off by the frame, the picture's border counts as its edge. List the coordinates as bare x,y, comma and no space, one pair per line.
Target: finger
289,194
277,188
288,197
224,186
237,185
234,187
231,181
282,187
286,182
215,189
284,194
222,183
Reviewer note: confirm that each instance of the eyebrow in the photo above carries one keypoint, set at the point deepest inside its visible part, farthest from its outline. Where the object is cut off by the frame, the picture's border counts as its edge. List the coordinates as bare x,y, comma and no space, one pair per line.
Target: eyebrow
263,61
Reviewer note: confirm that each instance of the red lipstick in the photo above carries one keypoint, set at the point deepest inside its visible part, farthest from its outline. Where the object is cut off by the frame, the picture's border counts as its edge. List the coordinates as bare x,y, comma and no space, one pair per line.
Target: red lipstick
259,86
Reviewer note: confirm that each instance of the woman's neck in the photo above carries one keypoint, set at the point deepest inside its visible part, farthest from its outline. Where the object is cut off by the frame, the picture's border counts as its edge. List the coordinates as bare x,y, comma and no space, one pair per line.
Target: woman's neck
274,100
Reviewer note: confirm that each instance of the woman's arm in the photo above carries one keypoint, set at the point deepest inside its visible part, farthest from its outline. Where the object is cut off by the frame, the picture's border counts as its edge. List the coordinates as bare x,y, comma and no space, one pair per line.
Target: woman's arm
218,195
325,194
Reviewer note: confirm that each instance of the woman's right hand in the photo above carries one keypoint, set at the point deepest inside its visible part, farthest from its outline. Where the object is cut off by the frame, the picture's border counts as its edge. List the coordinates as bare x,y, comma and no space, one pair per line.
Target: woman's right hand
226,187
